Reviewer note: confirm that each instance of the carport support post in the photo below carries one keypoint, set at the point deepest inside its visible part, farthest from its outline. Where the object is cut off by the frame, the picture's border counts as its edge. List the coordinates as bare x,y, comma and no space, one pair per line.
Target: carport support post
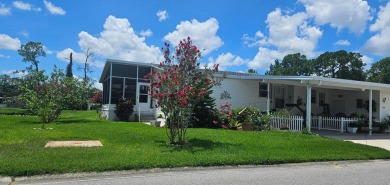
308,107
370,113
268,96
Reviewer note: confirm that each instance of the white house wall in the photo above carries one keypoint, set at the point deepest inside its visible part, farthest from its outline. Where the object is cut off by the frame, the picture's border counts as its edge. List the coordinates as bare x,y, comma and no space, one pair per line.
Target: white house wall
242,92
384,106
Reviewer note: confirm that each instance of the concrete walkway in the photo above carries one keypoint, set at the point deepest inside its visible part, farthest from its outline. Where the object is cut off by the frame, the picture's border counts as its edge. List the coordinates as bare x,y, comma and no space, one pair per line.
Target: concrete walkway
381,140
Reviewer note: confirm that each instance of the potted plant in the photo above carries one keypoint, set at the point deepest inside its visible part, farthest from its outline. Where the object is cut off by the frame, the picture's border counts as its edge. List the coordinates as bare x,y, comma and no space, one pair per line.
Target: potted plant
155,123
234,124
284,127
352,127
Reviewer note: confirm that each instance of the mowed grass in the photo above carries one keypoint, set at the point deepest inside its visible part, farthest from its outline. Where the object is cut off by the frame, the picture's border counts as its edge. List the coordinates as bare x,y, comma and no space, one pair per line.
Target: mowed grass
139,146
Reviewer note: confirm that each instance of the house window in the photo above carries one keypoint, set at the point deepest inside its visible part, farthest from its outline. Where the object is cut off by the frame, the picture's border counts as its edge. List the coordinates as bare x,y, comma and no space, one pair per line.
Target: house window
263,90
359,103
313,96
322,99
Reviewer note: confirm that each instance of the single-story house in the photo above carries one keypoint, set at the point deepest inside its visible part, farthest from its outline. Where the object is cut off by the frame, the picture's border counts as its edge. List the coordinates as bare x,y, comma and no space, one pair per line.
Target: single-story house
307,96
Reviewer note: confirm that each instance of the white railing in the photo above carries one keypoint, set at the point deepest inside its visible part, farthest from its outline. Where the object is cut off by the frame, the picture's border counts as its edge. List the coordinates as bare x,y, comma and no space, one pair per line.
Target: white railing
331,123
293,123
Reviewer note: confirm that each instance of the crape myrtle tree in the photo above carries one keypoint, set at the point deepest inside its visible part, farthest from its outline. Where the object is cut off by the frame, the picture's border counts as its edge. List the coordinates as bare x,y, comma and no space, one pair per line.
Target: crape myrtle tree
179,86
47,96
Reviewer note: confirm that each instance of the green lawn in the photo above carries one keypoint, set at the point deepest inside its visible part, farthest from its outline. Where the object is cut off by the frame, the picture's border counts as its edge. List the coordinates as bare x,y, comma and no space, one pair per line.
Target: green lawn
135,146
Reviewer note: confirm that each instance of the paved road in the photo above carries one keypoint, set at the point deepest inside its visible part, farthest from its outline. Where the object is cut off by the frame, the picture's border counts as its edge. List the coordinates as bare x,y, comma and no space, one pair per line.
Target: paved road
351,173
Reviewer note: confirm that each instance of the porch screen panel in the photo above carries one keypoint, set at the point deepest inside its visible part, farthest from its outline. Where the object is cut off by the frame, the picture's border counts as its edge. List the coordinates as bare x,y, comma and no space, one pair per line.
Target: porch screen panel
131,89
122,70
142,72
116,90
106,91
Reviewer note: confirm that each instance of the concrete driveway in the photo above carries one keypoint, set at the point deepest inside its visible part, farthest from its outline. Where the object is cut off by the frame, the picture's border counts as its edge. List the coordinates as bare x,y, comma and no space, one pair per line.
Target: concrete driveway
381,140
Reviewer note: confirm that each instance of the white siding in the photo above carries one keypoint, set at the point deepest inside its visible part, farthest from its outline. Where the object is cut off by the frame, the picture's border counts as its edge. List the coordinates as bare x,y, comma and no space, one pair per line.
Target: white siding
384,106
242,92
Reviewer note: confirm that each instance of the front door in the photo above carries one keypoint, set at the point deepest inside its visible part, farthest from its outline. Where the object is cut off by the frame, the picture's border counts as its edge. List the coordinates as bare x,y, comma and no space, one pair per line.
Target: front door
143,100
279,97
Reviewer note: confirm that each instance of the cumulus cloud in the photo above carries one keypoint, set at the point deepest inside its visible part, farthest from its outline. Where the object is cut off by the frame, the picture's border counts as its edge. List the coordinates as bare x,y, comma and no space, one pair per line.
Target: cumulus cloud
162,15
351,14
7,42
342,43
203,34
380,42
226,60
287,34
25,6
264,58
118,40
4,10
146,33
55,10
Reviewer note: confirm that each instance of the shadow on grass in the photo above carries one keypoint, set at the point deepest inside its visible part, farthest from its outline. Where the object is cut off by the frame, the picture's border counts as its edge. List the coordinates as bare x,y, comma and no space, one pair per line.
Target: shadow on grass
195,145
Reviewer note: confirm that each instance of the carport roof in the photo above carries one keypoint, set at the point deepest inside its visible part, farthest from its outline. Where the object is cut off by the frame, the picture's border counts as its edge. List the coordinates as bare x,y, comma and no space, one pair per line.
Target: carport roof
315,81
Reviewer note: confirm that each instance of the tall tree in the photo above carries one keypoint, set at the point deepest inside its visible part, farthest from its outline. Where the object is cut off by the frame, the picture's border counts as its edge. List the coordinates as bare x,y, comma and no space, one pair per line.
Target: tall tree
340,64
293,65
30,52
86,68
380,71
69,72
252,71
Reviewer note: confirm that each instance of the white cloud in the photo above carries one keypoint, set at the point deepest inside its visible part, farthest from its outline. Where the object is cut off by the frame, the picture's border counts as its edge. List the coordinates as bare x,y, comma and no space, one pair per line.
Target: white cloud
203,34
287,34
342,43
47,51
118,40
24,33
379,43
368,61
4,56
351,14
226,60
4,10
22,5
54,9
162,15
7,42
264,58
146,33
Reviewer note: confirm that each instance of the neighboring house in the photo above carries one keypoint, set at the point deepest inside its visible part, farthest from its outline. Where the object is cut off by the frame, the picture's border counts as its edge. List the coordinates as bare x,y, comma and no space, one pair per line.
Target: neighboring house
319,96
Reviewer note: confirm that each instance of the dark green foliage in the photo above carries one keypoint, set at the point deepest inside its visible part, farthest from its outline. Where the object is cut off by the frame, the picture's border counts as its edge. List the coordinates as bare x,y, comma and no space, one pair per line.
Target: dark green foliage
292,65
124,109
30,52
69,72
380,71
9,86
202,116
340,64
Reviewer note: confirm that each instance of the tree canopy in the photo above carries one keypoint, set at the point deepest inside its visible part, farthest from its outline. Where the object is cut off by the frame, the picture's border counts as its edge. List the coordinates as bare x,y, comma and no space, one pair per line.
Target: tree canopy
339,64
380,71
30,52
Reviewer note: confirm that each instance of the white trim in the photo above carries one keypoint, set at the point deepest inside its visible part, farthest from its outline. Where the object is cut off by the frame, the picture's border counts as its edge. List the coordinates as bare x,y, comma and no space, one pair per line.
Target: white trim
308,107
370,113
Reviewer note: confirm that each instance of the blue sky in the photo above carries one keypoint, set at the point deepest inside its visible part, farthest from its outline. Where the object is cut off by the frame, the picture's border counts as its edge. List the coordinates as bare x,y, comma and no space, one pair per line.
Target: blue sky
236,34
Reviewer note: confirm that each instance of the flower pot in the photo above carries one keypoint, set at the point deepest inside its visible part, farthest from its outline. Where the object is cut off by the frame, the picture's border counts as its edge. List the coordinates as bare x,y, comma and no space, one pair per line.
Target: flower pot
155,123
247,127
352,129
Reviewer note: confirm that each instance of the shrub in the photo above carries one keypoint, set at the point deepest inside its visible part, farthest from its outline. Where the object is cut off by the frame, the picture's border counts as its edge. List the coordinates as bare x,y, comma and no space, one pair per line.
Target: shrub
124,109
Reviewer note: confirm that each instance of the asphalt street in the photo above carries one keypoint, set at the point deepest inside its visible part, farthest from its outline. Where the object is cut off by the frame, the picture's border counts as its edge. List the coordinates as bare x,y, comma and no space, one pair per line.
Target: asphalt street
343,172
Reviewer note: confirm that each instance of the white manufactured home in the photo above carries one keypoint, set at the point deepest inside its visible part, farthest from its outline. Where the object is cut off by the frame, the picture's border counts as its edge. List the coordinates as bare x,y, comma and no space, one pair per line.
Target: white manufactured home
307,96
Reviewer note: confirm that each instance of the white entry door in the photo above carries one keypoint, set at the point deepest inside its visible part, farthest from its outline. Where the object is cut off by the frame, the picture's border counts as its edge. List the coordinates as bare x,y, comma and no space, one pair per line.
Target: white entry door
143,99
